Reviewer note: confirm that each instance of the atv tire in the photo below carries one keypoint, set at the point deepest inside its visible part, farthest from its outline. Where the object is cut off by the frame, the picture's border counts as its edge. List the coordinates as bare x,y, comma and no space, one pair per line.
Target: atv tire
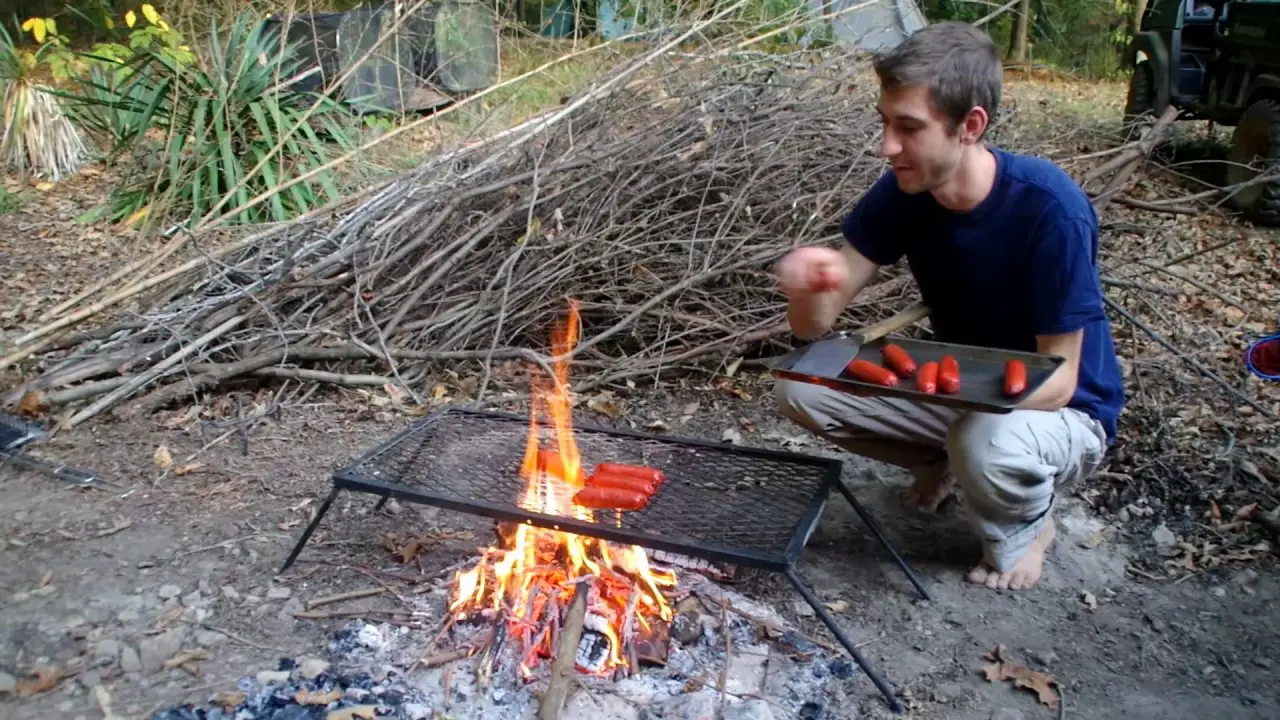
1256,141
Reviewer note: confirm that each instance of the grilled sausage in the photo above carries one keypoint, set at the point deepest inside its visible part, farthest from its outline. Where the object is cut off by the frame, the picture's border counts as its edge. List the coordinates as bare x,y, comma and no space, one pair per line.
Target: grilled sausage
602,498
949,374
646,473
927,378
1015,377
622,482
552,464
867,371
898,360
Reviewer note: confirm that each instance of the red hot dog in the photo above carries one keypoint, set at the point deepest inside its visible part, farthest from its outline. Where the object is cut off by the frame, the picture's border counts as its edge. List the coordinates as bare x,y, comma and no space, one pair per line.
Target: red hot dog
603,498
898,360
869,372
949,375
622,482
653,475
1015,377
927,378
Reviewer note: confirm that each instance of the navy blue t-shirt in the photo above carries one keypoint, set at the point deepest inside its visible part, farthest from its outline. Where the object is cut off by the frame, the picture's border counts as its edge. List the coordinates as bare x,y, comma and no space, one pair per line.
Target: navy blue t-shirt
1021,264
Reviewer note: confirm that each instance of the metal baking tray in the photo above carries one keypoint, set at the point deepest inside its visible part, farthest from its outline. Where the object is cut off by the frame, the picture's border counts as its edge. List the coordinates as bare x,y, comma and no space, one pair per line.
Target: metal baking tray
981,373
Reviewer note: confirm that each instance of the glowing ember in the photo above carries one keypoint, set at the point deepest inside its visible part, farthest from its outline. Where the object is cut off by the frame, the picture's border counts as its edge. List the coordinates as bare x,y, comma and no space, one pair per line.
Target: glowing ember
531,581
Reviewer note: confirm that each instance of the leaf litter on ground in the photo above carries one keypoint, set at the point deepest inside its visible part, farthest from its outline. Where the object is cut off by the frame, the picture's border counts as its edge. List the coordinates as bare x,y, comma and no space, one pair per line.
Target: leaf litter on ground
1000,669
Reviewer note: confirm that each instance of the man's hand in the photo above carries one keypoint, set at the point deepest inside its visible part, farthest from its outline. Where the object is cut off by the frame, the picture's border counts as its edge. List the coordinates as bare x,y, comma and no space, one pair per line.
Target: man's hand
812,270
820,282
1058,390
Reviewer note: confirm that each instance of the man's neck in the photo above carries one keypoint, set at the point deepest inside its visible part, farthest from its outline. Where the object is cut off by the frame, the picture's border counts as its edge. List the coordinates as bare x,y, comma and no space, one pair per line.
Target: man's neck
971,183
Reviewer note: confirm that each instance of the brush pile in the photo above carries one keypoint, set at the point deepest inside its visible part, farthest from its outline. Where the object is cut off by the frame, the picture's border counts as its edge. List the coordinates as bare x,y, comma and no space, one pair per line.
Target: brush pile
660,204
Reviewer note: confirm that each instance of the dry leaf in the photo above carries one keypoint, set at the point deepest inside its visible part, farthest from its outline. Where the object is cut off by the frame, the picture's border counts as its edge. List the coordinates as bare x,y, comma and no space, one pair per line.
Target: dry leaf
44,186
438,392
657,426
46,679
189,468
289,524
1089,599
315,697
605,404
733,367
1024,677
29,405
399,396
229,700
838,606
162,457
355,712
47,578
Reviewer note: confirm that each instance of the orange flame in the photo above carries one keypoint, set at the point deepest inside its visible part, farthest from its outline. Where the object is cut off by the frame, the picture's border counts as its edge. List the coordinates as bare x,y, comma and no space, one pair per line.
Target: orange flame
535,575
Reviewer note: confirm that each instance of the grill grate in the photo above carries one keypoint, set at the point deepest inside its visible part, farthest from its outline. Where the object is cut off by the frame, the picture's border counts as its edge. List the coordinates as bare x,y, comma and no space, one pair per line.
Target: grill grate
720,502
743,506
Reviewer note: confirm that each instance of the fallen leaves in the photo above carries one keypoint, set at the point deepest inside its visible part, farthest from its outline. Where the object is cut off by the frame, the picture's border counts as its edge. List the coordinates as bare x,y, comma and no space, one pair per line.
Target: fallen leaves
162,457
44,680
1041,684
30,404
837,606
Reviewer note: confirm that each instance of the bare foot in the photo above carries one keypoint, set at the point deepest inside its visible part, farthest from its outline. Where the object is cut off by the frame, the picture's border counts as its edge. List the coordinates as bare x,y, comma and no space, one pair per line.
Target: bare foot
1024,573
930,491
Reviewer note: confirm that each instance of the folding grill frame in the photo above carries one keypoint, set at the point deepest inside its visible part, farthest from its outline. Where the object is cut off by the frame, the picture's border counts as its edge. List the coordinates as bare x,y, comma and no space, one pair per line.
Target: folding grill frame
382,471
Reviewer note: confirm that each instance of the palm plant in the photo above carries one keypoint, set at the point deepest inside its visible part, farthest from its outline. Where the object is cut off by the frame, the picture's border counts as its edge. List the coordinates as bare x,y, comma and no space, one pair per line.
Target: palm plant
35,136
208,127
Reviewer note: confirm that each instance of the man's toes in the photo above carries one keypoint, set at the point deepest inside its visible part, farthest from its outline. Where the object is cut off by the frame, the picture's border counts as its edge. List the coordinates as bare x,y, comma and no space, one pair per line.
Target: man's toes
978,575
993,580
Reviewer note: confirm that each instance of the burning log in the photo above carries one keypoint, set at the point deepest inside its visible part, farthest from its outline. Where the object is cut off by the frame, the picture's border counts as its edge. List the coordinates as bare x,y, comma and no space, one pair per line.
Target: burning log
562,670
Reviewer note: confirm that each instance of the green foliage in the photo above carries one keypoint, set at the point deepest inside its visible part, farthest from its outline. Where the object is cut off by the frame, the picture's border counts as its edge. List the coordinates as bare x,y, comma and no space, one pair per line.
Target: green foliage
8,201
203,130
35,135
1081,36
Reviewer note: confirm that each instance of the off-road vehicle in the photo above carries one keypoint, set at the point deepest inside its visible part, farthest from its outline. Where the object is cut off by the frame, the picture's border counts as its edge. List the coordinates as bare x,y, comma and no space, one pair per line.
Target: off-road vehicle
1216,60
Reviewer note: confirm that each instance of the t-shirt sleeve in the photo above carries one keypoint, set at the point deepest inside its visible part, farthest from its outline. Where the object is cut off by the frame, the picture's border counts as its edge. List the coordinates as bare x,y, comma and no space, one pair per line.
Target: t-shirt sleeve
872,227
1066,290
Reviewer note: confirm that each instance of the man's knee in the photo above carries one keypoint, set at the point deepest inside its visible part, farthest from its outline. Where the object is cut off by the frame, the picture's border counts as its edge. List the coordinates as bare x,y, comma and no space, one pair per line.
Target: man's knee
994,459
797,400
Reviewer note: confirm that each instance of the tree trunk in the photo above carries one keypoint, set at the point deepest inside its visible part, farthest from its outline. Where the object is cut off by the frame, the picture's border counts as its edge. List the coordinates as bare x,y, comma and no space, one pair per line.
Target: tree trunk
1018,38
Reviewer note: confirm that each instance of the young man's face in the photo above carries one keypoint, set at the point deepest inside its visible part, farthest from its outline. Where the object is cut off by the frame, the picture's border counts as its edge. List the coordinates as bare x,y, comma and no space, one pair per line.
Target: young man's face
921,145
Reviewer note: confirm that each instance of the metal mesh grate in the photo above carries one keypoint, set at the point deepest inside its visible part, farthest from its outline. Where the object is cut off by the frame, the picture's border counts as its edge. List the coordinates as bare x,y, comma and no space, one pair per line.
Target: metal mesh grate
16,432
719,502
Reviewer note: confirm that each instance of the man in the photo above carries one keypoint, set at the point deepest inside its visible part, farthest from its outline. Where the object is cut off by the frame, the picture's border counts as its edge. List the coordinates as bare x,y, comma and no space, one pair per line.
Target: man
1004,250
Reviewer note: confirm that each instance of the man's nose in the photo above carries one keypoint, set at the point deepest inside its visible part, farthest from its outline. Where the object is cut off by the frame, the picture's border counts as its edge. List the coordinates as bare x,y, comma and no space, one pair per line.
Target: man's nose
889,145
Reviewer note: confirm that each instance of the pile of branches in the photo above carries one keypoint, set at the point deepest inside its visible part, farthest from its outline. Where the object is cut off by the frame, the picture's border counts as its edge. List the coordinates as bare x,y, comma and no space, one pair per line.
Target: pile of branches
659,204
659,201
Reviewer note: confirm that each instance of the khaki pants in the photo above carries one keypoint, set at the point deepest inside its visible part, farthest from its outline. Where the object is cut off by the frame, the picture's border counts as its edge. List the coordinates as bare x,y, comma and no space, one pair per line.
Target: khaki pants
1007,466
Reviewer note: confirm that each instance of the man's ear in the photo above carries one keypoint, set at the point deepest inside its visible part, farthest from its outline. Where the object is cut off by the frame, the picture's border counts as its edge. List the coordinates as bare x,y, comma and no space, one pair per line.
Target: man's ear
974,125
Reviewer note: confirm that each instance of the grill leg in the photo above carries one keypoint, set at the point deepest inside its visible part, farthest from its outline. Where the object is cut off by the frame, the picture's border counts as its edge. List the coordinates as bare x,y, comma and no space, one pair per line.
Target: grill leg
794,576
382,502
306,534
874,527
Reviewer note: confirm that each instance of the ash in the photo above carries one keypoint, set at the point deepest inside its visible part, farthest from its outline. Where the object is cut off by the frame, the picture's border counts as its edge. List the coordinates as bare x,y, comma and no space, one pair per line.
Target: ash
383,669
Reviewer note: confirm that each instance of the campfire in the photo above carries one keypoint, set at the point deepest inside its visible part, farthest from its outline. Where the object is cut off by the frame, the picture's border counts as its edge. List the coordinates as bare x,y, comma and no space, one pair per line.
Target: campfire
528,581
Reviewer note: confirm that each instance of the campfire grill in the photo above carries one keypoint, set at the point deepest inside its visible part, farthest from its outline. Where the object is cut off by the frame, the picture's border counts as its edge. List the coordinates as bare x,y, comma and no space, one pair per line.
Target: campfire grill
720,502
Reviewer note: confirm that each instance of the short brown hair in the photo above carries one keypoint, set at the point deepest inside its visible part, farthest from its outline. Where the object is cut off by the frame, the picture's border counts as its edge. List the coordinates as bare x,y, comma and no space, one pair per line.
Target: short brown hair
955,60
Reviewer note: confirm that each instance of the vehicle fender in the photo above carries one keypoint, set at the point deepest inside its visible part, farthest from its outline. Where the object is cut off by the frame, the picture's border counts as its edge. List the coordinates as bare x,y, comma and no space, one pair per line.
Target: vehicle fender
1150,46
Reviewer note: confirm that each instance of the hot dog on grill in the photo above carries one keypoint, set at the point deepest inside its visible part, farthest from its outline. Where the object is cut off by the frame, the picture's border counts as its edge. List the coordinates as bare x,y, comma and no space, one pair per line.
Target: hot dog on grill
603,479
646,473
605,498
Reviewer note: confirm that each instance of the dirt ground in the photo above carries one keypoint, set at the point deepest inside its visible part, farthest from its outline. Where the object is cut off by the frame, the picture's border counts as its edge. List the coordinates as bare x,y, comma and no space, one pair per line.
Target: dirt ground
94,579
